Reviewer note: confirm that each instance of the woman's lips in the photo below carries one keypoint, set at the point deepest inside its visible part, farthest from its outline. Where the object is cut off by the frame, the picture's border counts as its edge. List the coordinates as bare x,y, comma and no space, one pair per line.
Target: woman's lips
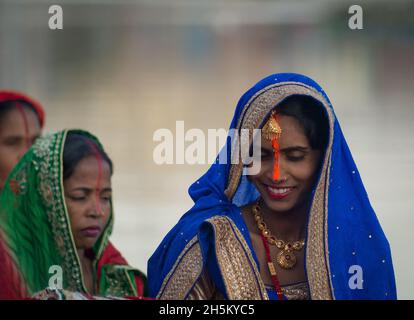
91,232
278,192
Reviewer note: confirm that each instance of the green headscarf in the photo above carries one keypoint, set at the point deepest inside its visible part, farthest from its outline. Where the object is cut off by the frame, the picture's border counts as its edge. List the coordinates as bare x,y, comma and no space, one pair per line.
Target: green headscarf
36,226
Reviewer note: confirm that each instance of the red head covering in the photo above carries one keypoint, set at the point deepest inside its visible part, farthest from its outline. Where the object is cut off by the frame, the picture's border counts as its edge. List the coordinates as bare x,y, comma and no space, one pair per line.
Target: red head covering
6,95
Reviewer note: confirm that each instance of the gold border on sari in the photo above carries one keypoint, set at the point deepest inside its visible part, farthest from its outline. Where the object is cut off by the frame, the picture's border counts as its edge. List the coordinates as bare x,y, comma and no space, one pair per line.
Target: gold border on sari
184,273
235,261
238,268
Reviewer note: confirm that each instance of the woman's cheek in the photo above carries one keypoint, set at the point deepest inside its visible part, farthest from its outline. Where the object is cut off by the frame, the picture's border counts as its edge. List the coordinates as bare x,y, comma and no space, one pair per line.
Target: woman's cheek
265,166
73,209
107,210
302,170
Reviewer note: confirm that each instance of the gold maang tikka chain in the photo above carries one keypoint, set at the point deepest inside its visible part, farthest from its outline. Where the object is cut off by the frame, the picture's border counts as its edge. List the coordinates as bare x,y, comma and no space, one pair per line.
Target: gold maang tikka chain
286,257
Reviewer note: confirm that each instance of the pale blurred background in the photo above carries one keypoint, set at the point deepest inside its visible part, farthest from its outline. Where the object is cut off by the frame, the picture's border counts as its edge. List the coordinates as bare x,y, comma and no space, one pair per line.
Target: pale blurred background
123,69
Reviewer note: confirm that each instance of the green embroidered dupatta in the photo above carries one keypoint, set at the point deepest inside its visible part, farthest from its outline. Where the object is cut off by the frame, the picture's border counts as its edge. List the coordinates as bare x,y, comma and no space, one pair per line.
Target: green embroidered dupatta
35,225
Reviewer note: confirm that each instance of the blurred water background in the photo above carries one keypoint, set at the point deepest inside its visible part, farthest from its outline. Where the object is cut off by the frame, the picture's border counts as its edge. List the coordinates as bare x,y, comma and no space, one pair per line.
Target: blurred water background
123,69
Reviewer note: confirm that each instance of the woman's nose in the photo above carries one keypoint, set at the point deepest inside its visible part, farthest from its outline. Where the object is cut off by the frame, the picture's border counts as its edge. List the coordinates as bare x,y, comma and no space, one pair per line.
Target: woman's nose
282,171
95,209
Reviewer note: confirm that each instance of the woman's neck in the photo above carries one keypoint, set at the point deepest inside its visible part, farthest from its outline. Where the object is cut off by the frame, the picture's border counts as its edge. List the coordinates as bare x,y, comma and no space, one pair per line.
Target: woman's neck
289,225
87,270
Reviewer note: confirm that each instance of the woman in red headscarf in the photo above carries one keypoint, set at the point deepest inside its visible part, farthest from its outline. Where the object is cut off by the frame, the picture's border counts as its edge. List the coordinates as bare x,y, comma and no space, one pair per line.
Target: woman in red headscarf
21,122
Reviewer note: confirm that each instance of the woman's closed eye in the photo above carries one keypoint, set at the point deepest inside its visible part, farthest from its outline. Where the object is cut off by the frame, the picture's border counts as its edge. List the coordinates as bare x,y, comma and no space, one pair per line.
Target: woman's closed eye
290,155
295,156
13,141
266,154
77,197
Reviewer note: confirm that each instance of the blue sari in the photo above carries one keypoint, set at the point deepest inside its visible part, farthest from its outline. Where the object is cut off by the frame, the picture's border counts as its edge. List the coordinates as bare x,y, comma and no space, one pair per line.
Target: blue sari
342,230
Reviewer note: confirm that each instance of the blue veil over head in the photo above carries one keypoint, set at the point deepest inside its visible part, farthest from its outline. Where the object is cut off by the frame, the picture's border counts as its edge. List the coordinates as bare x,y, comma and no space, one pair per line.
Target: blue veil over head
344,238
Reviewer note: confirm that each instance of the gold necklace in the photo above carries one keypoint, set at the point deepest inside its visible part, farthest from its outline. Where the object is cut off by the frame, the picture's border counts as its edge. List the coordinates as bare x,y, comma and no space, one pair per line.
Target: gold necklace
286,257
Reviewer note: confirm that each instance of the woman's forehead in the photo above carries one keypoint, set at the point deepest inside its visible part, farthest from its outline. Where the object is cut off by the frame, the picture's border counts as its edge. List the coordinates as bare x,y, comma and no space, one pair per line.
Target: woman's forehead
293,133
12,122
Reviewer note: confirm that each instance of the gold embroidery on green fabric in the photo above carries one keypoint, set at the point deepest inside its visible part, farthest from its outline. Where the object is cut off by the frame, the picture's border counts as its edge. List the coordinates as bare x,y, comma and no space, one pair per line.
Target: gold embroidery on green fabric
47,153
118,282
130,281
18,185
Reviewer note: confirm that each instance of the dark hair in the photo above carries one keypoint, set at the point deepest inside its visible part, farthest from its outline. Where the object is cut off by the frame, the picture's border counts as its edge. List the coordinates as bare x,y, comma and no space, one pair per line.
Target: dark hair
6,106
311,115
78,147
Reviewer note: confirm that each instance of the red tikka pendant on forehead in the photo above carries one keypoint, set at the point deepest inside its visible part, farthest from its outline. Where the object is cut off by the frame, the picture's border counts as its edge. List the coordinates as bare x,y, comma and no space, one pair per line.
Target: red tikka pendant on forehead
272,131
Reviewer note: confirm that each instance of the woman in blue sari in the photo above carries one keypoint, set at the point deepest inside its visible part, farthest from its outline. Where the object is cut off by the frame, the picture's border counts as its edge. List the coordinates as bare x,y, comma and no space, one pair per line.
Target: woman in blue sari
300,227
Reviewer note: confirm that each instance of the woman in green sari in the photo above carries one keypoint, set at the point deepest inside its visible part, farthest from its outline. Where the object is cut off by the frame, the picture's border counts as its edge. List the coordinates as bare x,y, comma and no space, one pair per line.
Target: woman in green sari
56,217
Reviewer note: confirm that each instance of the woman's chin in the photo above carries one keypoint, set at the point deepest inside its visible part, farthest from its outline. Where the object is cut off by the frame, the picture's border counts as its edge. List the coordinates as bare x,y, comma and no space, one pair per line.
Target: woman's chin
280,207
86,245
